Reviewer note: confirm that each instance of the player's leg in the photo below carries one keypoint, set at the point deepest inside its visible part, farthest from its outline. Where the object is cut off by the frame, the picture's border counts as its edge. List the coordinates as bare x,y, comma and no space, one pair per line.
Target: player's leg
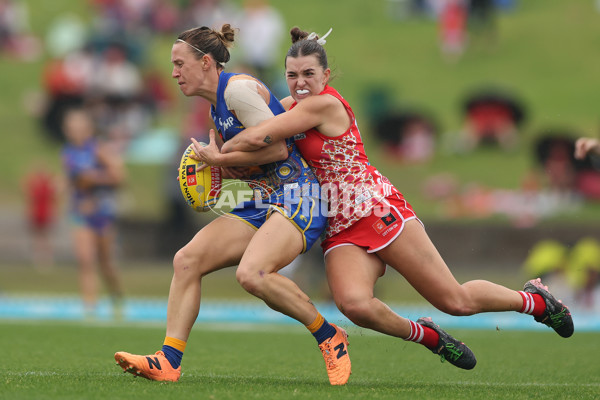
414,256
106,240
218,245
85,254
276,244
352,274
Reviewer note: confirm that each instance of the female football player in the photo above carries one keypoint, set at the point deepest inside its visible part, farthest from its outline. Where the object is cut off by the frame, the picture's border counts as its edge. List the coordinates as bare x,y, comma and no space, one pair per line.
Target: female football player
262,235
93,173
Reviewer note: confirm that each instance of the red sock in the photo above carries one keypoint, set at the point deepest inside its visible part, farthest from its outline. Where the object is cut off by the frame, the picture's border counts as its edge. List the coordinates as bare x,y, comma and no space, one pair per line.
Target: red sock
423,334
533,304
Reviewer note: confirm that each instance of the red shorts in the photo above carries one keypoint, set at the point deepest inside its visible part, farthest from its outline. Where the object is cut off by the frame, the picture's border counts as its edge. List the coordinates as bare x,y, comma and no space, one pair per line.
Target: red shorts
377,230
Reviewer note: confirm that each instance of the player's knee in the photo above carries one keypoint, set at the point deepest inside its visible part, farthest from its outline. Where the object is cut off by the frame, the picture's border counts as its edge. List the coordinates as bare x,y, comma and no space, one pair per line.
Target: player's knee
249,279
359,312
456,306
188,264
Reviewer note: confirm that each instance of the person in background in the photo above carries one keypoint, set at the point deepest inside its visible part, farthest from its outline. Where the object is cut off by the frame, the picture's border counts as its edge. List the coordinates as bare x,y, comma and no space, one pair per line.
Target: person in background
93,173
585,146
583,270
40,188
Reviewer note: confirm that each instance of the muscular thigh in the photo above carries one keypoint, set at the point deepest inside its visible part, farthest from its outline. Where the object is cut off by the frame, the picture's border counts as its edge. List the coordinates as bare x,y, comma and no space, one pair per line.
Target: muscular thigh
352,273
276,244
414,256
219,244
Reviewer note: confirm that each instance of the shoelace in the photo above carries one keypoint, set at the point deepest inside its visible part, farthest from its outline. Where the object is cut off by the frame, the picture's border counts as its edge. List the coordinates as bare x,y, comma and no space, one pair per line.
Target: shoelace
453,353
327,354
557,319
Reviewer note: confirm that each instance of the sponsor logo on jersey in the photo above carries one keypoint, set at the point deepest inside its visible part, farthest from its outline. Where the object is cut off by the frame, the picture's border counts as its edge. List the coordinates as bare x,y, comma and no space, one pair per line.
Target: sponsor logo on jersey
382,224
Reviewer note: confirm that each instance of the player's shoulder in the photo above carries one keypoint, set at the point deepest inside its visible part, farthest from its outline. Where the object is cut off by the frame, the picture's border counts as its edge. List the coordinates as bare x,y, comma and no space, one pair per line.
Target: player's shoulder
323,102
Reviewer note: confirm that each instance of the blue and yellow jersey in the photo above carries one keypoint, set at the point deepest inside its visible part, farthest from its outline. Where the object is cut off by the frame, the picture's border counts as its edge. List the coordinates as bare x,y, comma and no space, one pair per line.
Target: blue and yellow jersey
269,182
94,206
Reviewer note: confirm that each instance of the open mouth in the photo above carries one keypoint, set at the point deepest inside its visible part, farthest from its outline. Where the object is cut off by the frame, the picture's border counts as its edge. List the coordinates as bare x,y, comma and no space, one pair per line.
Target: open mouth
302,91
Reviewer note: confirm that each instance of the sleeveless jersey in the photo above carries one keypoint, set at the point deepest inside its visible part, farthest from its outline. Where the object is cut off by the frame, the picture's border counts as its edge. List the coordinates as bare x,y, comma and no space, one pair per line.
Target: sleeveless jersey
270,182
96,205
352,185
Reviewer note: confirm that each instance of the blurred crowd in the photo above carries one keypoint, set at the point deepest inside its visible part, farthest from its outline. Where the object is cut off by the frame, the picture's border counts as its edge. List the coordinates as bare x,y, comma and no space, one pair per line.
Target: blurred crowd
572,267
494,119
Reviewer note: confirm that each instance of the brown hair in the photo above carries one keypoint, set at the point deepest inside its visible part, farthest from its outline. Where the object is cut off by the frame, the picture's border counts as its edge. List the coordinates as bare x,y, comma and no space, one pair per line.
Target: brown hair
210,41
303,47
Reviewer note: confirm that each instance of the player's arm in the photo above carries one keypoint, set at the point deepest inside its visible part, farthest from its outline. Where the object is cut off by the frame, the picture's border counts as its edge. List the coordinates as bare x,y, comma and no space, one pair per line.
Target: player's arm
310,113
226,172
247,99
112,174
211,155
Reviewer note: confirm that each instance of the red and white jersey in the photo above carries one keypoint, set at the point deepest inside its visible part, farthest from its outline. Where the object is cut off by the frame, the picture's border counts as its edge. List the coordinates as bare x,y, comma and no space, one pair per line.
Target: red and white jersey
352,185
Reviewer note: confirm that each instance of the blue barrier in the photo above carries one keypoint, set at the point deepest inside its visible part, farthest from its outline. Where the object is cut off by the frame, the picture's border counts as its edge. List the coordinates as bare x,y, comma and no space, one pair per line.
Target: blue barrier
155,310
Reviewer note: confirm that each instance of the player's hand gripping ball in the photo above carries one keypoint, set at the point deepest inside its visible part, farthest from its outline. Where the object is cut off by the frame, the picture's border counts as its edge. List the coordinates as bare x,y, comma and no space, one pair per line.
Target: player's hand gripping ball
200,189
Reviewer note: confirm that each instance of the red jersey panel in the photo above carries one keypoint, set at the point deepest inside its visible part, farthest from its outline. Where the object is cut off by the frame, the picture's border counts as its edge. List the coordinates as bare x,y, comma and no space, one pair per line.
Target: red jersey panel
352,186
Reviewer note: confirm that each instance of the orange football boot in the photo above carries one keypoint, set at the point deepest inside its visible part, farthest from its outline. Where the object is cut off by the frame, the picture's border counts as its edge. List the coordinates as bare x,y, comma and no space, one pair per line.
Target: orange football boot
337,359
155,367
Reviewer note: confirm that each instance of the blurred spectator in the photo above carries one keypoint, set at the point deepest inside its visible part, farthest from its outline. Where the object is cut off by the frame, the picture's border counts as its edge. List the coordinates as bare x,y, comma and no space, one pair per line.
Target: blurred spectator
115,76
575,270
209,13
407,136
156,96
262,31
523,207
164,17
452,25
65,82
15,38
583,272
585,146
66,34
555,151
93,173
40,188
547,257
492,118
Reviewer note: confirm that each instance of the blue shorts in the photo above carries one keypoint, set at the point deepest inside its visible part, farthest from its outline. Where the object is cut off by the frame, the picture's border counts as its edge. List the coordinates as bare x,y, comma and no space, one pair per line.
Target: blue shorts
96,221
305,215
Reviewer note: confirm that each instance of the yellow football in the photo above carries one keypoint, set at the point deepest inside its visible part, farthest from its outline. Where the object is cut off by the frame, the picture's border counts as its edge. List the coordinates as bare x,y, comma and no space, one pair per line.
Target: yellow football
200,189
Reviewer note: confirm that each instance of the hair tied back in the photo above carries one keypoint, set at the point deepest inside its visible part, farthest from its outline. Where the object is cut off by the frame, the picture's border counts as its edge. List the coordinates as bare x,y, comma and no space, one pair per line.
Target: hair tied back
322,40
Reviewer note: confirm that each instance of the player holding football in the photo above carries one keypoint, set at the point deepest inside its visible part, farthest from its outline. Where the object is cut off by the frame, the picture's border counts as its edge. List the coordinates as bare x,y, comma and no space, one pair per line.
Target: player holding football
386,231
260,241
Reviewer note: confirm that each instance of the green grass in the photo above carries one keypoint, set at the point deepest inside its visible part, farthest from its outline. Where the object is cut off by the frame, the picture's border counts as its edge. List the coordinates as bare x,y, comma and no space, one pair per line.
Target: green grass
74,361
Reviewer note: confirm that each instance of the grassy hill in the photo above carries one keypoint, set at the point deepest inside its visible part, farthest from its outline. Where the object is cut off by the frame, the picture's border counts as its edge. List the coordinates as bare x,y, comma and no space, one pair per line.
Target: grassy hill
545,51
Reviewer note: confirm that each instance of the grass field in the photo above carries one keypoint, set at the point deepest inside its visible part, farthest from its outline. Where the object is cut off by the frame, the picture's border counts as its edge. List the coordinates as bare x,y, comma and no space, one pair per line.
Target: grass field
75,361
